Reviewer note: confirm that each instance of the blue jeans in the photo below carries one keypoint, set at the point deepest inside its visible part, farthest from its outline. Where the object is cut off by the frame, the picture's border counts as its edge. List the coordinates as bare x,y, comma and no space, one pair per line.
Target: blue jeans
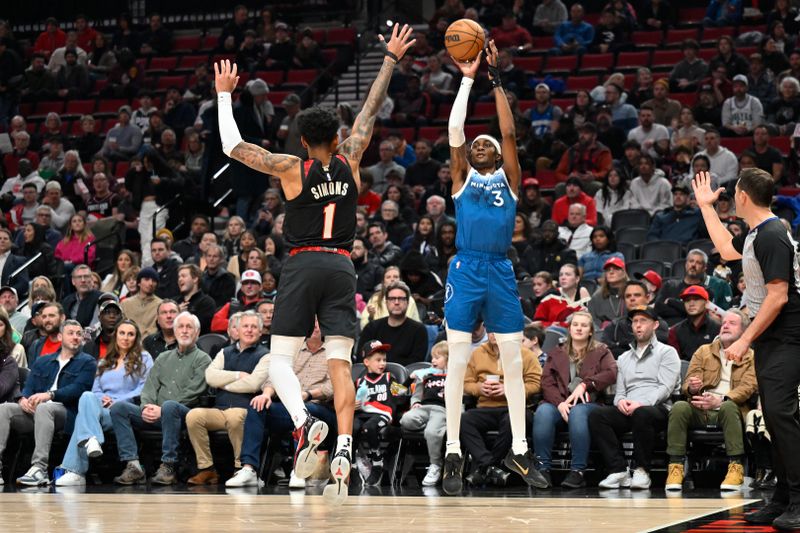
545,422
125,416
276,421
91,421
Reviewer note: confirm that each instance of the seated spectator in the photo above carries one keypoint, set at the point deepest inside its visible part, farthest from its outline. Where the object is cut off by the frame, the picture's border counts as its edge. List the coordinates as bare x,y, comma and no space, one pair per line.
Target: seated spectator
588,160
24,212
774,61
574,380
618,335
610,35
575,230
71,249
396,228
109,316
37,83
237,372
34,242
22,142
741,113
411,106
192,298
72,80
54,160
623,115
281,52
532,204
424,284
427,413
651,136
17,321
368,271
142,307
681,222
574,195
656,15
166,267
51,38
698,328
548,16
423,172
266,417
217,282
665,109
719,391
690,71
484,380
544,113
670,306
121,375
88,143
437,82
307,53
377,307
9,368
688,133
707,109
615,195
163,339
723,13
266,308
543,289
172,388
549,253
785,13
375,408
603,248
606,303
141,115
386,252
81,305
573,36
103,203
49,400
511,35
380,170
723,162
101,60
734,62
651,190
124,139
125,35
156,39
407,336
647,375
49,315
246,299
555,309
767,158
784,111
60,209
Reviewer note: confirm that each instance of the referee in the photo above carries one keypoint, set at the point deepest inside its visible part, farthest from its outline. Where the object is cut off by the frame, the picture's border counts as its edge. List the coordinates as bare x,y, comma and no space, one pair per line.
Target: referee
772,297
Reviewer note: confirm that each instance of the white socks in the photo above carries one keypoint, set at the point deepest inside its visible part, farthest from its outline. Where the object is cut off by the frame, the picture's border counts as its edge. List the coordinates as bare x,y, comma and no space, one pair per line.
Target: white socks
345,442
511,357
460,347
283,378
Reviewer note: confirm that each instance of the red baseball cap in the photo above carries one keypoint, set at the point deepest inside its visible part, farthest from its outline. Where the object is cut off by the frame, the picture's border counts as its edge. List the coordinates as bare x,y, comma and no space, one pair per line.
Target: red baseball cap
615,262
695,290
530,182
651,276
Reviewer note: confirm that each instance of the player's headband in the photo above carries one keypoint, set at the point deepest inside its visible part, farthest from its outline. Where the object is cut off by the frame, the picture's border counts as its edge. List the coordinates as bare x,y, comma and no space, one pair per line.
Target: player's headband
491,140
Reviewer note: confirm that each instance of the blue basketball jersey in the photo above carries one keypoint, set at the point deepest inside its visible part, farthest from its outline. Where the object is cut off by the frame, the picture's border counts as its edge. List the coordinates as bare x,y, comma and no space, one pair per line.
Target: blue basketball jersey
485,211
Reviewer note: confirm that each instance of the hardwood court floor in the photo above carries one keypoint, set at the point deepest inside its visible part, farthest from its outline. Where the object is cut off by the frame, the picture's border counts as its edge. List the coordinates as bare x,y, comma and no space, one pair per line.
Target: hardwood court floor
245,512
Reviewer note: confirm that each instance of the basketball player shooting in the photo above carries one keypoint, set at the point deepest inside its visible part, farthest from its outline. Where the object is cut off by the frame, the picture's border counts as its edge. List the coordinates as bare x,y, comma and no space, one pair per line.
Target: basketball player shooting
318,279
486,205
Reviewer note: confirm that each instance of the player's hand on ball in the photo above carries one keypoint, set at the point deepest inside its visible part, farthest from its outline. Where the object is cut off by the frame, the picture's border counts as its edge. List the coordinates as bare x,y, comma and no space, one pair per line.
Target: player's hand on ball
225,78
701,184
469,70
399,42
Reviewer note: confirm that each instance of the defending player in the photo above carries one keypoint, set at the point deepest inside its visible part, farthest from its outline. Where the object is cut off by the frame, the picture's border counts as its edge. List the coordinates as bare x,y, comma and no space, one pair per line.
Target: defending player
481,280
318,278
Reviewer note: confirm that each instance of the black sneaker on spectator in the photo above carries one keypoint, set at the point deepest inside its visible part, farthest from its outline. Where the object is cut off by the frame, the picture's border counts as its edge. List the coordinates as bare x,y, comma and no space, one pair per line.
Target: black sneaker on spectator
574,480
132,475
309,437
525,465
336,491
375,476
497,476
479,475
165,475
789,520
767,514
453,472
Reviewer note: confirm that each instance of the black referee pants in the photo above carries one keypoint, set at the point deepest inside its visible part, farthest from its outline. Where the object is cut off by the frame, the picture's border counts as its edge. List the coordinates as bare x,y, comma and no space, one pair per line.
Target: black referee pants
778,375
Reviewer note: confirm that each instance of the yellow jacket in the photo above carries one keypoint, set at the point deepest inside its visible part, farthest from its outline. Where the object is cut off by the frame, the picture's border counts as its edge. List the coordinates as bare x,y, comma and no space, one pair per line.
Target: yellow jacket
486,361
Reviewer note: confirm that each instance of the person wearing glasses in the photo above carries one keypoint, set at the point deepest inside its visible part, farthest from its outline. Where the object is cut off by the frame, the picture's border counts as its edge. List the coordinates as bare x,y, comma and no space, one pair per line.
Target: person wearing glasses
408,338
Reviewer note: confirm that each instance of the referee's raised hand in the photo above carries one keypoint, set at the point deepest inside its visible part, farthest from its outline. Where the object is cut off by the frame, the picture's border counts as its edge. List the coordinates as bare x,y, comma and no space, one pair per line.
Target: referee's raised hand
701,184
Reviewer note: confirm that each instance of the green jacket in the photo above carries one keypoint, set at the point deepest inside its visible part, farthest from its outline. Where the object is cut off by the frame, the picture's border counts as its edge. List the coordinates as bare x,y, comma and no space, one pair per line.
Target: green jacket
178,377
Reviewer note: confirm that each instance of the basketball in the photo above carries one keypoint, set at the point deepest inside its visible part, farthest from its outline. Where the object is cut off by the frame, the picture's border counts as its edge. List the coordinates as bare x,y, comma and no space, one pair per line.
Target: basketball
464,38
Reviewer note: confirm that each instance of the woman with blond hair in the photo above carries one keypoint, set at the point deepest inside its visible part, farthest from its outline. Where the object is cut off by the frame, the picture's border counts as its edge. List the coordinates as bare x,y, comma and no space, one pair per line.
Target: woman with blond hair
113,281
573,383
71,248
376,306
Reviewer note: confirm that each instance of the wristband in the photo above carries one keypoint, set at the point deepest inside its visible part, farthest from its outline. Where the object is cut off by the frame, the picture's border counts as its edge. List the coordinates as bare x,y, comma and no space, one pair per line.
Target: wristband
494,72
391,55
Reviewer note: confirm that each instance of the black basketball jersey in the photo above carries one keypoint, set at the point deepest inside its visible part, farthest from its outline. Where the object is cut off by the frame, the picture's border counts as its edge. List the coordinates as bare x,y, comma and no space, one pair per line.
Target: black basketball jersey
324,214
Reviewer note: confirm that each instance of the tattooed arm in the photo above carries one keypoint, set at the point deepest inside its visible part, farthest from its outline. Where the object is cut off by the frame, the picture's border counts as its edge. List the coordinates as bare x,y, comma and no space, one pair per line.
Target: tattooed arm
280,165
353,147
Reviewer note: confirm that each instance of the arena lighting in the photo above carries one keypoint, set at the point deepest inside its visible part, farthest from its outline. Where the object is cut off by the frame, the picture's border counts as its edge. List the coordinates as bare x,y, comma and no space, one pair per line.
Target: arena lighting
389,22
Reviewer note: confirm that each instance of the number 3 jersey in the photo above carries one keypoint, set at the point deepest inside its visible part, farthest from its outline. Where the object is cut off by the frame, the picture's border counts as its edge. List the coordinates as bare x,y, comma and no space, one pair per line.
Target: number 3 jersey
324,214
485,211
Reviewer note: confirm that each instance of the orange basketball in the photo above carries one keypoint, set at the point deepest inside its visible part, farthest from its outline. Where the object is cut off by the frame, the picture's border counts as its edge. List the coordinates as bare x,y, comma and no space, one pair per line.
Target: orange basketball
464,38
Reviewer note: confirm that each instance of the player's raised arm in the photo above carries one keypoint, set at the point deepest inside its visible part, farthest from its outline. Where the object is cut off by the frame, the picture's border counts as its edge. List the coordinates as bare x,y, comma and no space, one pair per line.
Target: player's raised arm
506,119
455,126
281,165
353,147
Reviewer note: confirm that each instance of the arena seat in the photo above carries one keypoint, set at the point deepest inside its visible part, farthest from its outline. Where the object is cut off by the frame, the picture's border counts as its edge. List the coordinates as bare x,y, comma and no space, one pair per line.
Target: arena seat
642,265
630,218
664,251
341,36
666,58
162,64
532,64
627,61
186,43
675,37
596,62
80,107
561,64
647,39
581,83
190,62
632,235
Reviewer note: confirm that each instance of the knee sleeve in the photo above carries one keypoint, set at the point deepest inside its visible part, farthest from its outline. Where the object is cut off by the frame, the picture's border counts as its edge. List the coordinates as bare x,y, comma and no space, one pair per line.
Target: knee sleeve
283,347
337,347
460,348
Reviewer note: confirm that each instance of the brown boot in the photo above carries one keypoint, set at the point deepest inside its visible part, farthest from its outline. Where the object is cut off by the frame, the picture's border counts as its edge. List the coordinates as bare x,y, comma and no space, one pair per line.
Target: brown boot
207,476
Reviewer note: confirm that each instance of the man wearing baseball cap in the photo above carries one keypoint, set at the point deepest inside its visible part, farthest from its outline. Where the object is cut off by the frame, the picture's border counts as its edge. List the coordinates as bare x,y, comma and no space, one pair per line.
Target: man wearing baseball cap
647,375
9,300
124,139
681,222
574,195
742,112
143,306
698,328
606,304
652,282
618,336
246,299
110,315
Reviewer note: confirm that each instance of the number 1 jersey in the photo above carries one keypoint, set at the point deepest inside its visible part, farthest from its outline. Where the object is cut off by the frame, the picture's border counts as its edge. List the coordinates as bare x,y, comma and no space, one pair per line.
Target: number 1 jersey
324,214
485,211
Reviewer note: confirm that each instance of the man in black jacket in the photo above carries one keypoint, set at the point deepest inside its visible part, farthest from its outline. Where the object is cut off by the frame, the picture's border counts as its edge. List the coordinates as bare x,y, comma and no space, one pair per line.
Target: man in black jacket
81,305
187,248
369,273
193,299
550,253
618,335
10,263
110,315
216,281
386,252
698,328
167,269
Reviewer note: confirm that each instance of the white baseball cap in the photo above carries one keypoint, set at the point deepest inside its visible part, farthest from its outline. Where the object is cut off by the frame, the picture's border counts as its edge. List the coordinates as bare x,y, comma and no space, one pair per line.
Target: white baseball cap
251,275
